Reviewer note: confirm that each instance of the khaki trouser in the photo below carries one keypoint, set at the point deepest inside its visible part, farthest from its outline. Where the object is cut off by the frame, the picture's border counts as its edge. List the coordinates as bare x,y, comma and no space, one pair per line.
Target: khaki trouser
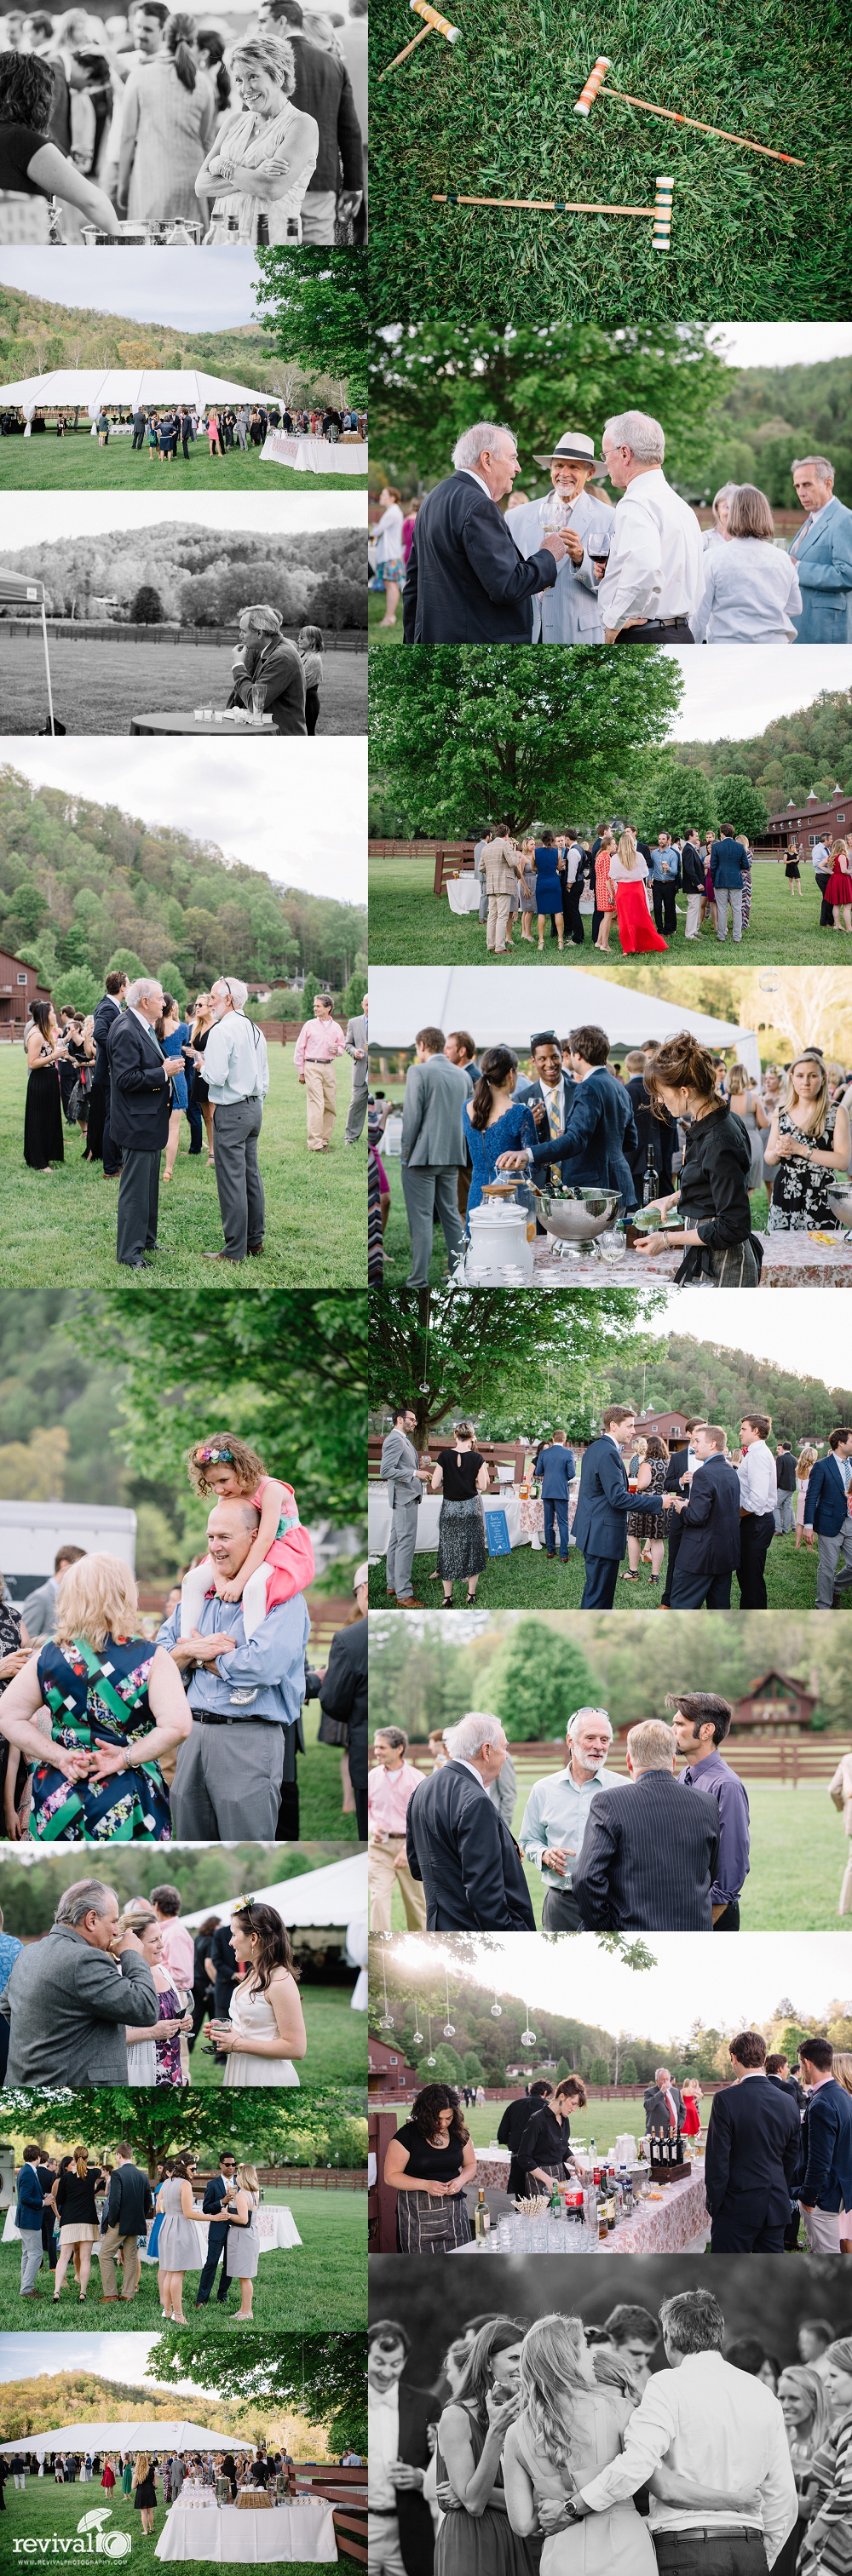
383,1875
693,915
321,1088
499,907
106,2251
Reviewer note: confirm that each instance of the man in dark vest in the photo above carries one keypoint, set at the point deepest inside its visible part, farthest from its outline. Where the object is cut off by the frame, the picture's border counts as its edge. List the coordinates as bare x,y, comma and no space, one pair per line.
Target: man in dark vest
400,2520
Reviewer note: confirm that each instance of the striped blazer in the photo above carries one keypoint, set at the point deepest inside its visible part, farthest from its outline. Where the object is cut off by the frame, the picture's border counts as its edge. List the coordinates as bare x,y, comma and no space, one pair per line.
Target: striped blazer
649,1858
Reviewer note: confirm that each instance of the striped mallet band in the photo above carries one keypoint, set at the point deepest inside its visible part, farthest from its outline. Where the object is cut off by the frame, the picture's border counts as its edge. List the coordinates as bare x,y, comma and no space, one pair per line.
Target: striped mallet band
434,19
662,231
593,84
660,213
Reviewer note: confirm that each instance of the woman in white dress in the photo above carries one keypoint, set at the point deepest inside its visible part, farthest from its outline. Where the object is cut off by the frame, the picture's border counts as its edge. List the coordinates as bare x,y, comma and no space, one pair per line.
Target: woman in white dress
242,2251
266,2029
570,2428
265,151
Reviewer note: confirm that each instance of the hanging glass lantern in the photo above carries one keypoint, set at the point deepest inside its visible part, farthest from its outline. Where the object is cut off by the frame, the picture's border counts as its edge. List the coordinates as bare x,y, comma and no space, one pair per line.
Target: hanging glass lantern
496,2012
416,2037
431,2061
385,2022
449,2030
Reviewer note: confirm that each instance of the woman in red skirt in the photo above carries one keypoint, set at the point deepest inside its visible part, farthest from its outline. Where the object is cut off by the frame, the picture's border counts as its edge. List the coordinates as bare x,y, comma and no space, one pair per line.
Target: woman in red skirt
628,871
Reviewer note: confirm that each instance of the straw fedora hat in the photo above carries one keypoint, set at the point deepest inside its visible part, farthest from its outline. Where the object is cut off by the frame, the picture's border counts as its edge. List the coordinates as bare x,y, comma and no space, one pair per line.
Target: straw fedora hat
573,449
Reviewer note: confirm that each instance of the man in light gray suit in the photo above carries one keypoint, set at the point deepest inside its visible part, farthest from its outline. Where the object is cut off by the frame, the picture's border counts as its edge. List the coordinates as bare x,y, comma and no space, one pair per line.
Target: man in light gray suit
405,1490
355,1044
822,554
71,1996
433,1151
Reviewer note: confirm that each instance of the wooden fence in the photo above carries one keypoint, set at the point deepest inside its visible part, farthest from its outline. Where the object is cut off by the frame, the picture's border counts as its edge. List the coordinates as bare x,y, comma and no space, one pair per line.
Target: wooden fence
108,630
346,2491
772,1757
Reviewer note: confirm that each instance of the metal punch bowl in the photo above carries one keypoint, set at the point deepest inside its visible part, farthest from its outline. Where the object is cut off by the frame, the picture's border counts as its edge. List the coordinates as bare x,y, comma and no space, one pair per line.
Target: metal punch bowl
839,1195
575,1217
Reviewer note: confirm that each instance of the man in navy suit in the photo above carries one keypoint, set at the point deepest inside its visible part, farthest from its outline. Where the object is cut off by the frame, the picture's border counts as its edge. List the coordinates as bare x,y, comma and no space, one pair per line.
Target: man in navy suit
753,2156
109,1008
599,1133
650,1851
457,1843
216,2193
709,1551
140,1101
826,2186
827,1512
600,1520
555,1466
467,581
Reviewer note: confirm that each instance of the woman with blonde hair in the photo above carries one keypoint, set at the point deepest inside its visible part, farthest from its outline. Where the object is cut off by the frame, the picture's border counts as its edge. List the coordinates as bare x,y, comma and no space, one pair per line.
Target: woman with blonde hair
242,2246
108,1703
145,2497
717,534
178,2245
153,2054
809,1140
628,873
76,2209
476,2537
838,891
807,1459
692,2096
266,150
569,2428
804,2406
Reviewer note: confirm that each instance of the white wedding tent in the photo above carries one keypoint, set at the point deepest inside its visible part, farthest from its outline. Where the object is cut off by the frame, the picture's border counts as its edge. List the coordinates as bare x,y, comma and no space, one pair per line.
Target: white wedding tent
159,2435
87,388
337,1894
504,1009
18,591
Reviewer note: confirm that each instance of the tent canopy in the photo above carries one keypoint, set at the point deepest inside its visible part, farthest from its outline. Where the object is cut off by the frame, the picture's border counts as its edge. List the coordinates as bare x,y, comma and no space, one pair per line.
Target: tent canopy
17,586
78,387
158,2435
322,1896
504,1009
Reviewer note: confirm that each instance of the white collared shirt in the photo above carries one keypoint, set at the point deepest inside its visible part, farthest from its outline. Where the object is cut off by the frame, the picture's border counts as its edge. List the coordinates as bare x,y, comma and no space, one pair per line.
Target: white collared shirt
475,478
384,2447
655,564
719,2428
235,1061
758,1481
143,1023
471,1767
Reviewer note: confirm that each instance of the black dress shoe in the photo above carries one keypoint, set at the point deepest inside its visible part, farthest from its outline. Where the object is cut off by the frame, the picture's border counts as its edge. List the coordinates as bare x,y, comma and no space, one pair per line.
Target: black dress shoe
153,1247
135,1265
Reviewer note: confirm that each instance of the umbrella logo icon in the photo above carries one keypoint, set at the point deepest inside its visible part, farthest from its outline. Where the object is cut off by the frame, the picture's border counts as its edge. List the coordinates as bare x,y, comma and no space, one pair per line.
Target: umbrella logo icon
108,2544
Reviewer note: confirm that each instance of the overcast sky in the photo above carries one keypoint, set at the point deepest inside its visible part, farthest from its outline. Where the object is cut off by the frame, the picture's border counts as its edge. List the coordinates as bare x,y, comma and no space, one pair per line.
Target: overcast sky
720,1983
190,290
30,518
293,808
112,2356
770,1328
736,693
781,344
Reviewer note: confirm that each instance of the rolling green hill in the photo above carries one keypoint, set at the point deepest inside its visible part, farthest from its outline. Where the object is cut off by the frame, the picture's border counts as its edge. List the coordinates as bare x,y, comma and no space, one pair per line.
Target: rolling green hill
36,335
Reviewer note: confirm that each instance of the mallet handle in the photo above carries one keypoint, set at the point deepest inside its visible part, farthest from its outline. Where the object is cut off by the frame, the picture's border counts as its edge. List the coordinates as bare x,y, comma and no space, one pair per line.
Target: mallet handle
674,119
546,205
406,50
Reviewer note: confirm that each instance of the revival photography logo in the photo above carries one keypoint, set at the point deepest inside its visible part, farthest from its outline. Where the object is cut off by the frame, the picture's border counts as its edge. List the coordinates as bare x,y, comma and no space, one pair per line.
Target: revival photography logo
95,2541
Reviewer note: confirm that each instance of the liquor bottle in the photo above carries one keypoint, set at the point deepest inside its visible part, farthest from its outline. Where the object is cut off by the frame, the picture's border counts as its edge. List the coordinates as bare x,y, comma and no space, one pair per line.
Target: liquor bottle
680,2151
651,1181
610,2212
481,2217
641,2157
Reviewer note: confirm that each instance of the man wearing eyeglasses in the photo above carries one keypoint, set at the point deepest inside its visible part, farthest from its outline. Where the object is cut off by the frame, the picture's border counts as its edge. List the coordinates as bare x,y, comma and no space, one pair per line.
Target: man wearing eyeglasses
236,1072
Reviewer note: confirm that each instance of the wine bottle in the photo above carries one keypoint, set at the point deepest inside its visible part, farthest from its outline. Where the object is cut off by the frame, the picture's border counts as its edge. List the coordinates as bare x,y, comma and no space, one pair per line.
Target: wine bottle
651,1181
481,2217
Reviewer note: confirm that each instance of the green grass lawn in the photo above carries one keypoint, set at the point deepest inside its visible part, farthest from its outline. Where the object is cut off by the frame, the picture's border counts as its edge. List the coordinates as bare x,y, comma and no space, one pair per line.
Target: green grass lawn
51,464
63,1227
337,2042
797,1859
410,926
44,2509
98,686
494,116
527,1580
321,1817
320,2284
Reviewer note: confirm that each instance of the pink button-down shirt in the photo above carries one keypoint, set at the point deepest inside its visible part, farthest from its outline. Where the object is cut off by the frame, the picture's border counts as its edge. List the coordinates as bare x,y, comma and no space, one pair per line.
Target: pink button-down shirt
318,1042
388,1794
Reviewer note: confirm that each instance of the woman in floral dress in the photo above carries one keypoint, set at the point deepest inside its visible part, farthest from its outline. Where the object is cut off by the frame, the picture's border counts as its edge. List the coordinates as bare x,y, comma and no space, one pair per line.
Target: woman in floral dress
809,1142
115,1701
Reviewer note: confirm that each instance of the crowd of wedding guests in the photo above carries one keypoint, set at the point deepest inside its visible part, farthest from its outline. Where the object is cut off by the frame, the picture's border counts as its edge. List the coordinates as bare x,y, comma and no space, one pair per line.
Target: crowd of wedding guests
149,118
684,2444
616,881
144,2479
72,2207
671,1126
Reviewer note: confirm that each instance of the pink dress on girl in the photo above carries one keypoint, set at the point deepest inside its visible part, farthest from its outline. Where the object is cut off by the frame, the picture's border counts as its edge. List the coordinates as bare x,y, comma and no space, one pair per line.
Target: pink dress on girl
291,1557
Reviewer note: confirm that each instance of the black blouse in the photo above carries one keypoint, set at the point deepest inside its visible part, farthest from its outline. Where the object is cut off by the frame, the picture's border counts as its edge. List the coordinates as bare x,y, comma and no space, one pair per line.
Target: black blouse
714,1180
75,2200
430,2164
545,2141
460,1471
18,147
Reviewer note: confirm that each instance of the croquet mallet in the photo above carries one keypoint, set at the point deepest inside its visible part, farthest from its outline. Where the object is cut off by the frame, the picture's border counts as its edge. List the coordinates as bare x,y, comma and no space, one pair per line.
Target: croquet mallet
434,24
660,212
597,80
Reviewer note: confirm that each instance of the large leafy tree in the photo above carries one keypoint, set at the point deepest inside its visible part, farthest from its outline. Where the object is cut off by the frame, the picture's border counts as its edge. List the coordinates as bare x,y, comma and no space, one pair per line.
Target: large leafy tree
674,798
542,1675
430,380
741,804
320,2376
156,2120
444,1349
315,309
533,734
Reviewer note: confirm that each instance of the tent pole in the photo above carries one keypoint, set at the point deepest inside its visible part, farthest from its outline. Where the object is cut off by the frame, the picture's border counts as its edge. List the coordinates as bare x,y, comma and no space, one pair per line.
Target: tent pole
47,665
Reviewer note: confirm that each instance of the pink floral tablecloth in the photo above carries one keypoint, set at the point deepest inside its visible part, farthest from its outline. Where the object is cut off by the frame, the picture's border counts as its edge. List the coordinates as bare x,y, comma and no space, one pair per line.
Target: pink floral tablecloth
593,1272
492,2171
665,2226
789,1261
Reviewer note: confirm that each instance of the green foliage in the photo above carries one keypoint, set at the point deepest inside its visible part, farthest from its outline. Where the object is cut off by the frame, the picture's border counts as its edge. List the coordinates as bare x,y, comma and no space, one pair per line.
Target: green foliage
627,2071
447,2068
318,306
673,799
542,1677
719,1383
320,2376
459,731
174,982
741,804
205,1874
810,749
465,1349
472,2067
816,402
599,2071
79,986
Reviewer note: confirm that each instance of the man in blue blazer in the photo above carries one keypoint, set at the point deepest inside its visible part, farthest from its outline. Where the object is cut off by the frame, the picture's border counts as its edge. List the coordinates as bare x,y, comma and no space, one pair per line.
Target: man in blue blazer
822,554
600,1520
599,1132
215,2195
457,1843
826,2186
709,1551
827,1512
555,1466
753,2156
467,581
140,1102
650,1852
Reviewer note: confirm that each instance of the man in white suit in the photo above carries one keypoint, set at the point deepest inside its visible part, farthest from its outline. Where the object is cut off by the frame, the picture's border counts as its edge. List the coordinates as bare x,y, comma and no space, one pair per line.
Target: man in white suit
570,612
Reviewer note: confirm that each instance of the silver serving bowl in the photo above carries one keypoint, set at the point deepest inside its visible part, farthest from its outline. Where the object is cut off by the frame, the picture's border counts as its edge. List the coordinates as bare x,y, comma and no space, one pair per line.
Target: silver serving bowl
577,1217
839,1194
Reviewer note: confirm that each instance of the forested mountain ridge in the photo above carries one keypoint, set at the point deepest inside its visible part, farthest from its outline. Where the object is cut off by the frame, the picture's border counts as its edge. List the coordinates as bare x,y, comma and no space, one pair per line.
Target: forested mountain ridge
204,576
37,334
811,749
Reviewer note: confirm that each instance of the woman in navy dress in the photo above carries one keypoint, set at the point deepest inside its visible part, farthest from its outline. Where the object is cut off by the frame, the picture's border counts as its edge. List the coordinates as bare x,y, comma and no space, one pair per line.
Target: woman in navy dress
495,1123
548,891
173,1034
111,1695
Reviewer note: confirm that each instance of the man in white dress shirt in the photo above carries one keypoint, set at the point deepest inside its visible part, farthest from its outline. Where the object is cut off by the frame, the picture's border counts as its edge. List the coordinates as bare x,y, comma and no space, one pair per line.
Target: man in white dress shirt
717,2429
237,1076
655,575
759,1492
400,2524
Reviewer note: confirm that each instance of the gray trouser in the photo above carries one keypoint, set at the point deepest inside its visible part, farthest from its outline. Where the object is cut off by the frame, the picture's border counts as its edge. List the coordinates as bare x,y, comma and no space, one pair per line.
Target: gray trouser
483,899
726,895
31,2255
784,1510
138,1199
822,2229
240,433
835,1565
236,1128
693,915
385,2547
357,1111
401,1545
430,1192
227,1783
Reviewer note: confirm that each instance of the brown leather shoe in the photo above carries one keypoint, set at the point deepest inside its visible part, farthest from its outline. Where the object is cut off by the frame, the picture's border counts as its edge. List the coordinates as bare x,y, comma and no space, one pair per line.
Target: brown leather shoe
410,1605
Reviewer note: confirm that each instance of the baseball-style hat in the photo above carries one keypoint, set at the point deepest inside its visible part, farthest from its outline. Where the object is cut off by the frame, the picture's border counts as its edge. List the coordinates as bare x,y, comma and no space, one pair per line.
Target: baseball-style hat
574,449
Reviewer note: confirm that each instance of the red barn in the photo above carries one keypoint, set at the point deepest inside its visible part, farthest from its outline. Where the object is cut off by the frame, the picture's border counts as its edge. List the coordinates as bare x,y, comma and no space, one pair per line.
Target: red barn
778,1705
388,2070
19,986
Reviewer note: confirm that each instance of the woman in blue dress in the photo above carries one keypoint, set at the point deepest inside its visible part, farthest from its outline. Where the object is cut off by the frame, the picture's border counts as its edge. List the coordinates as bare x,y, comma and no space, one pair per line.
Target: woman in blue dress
549,870
115,1703
495,1123
173,1034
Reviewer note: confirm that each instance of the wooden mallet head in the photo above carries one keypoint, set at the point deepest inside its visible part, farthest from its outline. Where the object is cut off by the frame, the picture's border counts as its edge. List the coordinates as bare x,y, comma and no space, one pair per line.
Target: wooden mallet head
594,83
434,19
661,235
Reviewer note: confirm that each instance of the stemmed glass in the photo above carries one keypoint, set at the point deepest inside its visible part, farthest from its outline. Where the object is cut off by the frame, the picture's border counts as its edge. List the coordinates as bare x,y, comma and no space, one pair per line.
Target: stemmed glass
612,1245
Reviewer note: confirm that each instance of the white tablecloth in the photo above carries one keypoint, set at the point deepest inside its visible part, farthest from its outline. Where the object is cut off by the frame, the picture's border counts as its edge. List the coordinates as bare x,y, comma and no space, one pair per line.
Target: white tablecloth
222,2534
463,892
507,1500
314,455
